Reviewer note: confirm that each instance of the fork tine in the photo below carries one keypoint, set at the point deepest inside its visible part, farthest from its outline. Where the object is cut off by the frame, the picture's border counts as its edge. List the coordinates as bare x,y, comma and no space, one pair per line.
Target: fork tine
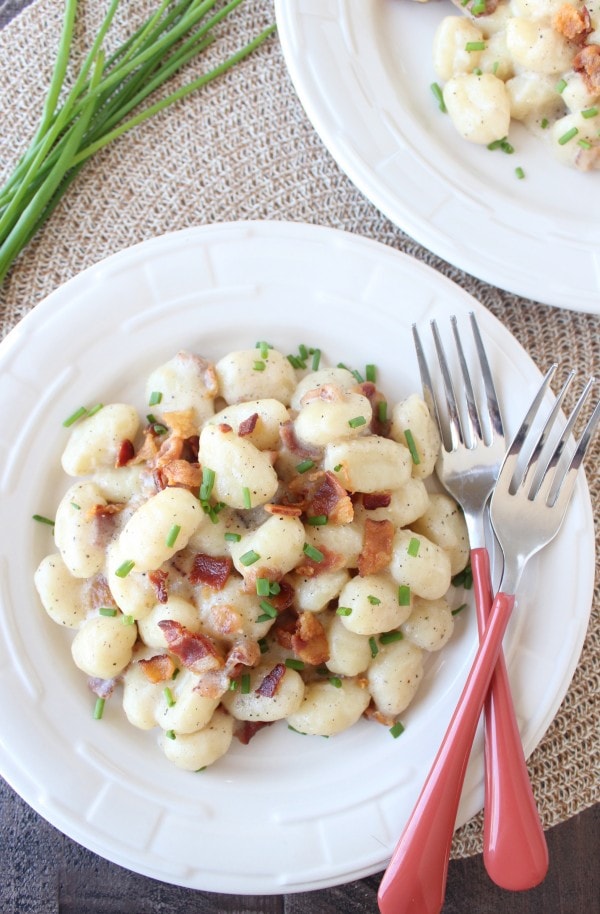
454,424
472,411
497,426
532,463
562,487
425,376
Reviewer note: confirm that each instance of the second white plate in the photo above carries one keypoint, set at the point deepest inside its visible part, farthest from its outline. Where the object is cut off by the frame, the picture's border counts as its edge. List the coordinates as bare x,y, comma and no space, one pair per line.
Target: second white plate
363,70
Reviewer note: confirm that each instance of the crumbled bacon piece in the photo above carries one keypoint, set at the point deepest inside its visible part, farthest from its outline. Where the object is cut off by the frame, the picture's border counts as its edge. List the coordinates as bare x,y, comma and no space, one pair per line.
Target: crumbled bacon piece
182,422
287,433
271,682
375,397
103,688
244,653
309,641
332,500
373,500
587,62
158,579
105,510
171,449
331,561
196,651
284,599
283,510
574,24
181,473
223,619
211,570
247,425
212,684
224,427
376,551
96,593
125,453
371,713
158,668
244,730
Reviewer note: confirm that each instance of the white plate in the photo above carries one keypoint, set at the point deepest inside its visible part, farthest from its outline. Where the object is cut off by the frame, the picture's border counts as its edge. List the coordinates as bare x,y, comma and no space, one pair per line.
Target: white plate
363,70
287,812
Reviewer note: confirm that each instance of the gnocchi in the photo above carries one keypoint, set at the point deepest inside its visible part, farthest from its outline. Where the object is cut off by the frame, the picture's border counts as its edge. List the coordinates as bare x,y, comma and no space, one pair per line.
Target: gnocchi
266,548
533,62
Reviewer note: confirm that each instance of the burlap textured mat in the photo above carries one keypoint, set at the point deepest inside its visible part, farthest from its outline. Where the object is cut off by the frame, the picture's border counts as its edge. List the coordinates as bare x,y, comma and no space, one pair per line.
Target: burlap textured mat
244,149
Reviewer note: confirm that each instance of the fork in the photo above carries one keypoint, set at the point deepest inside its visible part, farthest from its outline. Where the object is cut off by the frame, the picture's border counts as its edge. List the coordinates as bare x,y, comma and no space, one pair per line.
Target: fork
515,852
527,508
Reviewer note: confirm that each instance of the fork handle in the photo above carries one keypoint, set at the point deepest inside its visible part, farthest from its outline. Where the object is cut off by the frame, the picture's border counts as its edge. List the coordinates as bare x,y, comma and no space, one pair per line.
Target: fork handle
515,852
415,880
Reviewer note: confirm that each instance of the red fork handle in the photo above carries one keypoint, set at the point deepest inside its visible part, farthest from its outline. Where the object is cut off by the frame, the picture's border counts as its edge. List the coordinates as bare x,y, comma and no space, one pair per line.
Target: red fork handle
515,852
415,880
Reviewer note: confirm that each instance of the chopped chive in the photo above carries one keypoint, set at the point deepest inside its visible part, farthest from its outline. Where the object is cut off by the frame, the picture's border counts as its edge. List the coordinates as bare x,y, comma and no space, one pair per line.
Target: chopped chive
232,537
304,353
374,601
172,535
176,673
589,112
439,96
495,67
341,365
475,46
293,729
519,173
478,7
459,609
168,696
359,378
155,398
264,349
127,620
274,588
170,734
397,730
344,611
208,481
545,123
74,417
316,359
249,558
477,71
335,681
390,637
259,366
370,373
294,664
124,568
95,409
561,85
245,684
373,646
357,422
263,587
295,362
412,447
382,411
305,465
99,708
268,609
233,685
263,645
264,617
566,137
75,505
585,144
414,546
313,553
463,578
337,468
107,611
404,595
247,498
43,520
317,520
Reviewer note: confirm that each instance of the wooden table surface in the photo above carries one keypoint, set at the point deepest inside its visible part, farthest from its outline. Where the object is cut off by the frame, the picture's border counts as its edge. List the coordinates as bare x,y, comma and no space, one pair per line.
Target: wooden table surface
44,872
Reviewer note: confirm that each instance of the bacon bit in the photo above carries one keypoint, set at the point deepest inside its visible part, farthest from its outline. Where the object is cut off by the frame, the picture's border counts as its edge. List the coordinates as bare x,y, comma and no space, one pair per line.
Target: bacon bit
331,499
377,546
375,397
332,561
125,452
373,500
224,427
181,474
490,7
182,422
211,570
287,434
96,593
247,425
575,25
284,628
224,619
271,681
283,510
587,62
191,447
158,579
158,668
170,449
105,510
103,688
309,641
196,651
244,653
329,393
212,684
159,479
244,730
149,449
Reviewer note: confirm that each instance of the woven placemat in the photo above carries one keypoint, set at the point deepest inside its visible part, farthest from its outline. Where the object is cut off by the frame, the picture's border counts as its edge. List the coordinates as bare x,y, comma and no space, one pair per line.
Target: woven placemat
244,149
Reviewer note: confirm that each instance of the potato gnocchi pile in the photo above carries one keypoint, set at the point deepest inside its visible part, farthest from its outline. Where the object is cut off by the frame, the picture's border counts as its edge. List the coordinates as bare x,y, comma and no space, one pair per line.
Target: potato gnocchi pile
534,61
262,546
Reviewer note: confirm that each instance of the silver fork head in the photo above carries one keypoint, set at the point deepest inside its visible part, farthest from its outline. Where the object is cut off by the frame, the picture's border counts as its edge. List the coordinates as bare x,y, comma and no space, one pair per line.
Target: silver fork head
472,433
537,478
